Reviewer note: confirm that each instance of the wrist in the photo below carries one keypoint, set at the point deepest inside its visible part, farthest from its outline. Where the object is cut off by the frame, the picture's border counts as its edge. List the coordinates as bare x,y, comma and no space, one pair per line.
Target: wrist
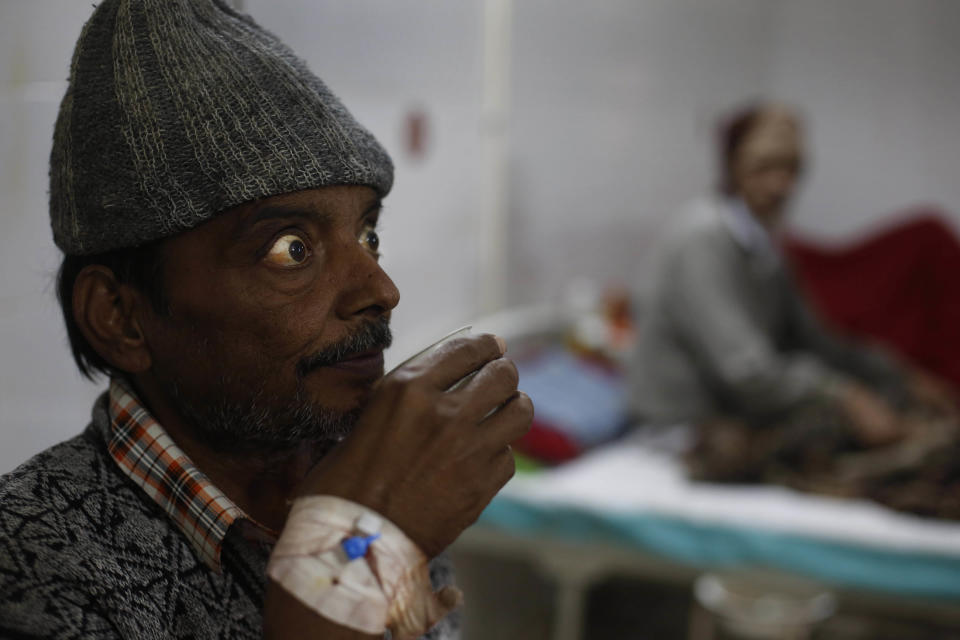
383,586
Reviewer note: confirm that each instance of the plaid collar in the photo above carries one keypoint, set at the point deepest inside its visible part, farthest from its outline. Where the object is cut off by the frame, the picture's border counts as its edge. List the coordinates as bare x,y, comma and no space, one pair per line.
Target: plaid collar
147,454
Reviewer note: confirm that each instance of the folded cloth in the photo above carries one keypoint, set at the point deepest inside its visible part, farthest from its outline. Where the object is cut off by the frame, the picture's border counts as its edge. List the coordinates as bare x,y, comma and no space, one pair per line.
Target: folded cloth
578,404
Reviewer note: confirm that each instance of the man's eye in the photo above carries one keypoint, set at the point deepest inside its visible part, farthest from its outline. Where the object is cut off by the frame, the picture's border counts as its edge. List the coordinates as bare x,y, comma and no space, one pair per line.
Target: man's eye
370,239
288,251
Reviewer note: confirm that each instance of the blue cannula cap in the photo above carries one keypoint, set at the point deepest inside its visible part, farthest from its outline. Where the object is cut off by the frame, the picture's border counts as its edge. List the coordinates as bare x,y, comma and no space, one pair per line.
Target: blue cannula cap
356,546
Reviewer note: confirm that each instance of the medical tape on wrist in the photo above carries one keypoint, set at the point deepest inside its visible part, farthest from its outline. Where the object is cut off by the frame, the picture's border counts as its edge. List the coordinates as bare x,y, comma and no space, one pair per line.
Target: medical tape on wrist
387,587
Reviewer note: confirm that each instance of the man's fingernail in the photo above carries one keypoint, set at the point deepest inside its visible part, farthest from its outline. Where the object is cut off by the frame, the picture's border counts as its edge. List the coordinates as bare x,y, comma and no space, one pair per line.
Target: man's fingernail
502,343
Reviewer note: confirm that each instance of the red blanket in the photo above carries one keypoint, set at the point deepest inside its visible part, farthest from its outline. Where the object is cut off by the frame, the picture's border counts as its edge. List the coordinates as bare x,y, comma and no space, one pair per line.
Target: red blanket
900,286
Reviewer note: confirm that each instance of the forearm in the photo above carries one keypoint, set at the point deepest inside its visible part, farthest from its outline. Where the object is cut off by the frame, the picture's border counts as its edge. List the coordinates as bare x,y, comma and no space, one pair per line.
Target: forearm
876,368
284,617
354,568
858,359
779,383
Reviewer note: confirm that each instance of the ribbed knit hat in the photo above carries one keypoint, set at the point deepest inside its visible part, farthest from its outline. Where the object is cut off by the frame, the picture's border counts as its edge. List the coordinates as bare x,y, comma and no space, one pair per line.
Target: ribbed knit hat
180,109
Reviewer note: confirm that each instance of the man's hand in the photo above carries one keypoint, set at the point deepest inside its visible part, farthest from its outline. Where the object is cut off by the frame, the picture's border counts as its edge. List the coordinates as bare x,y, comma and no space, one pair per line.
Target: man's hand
427,459
875,423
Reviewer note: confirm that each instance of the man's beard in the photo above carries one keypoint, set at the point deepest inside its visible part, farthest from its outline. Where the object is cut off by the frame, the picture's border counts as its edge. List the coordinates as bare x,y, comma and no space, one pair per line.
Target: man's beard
265,422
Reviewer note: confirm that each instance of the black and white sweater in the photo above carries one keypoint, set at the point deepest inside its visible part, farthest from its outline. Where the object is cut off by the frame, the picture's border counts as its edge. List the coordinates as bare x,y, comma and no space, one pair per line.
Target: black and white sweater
85,553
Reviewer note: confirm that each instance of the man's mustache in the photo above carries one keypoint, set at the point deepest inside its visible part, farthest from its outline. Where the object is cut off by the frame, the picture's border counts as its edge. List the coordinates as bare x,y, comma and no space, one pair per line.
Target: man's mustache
373,335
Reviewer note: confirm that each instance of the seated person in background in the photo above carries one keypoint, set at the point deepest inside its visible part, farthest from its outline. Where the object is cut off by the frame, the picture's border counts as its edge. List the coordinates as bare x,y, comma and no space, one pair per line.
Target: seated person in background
728,343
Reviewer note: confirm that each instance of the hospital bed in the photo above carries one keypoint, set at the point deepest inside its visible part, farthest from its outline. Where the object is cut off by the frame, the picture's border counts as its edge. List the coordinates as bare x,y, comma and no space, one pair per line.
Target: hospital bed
628,508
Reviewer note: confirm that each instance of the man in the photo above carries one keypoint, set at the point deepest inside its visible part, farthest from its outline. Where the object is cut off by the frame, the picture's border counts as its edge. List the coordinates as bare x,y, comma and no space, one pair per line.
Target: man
728,339
217,207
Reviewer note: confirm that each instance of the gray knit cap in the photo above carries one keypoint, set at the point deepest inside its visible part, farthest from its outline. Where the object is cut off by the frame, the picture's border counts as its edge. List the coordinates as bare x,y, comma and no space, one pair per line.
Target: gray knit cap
180,109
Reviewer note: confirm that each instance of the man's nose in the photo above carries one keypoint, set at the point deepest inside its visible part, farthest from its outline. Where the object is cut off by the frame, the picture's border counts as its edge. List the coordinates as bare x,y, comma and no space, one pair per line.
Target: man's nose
368,289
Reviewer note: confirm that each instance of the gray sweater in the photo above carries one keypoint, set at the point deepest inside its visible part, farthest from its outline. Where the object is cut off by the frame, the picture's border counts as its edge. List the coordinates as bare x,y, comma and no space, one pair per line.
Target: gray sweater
726,331
85,553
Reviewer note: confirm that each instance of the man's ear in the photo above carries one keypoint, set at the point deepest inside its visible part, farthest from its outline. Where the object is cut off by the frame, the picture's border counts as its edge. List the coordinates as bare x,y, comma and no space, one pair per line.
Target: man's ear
107,313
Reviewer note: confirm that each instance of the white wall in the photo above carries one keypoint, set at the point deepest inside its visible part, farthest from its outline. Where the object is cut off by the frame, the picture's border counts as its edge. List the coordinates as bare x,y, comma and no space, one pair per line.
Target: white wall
42,397
613,104
880,83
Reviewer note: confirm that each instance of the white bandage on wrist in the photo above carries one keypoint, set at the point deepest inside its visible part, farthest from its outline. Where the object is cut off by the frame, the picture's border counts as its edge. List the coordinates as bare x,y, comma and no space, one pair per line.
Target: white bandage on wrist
387,588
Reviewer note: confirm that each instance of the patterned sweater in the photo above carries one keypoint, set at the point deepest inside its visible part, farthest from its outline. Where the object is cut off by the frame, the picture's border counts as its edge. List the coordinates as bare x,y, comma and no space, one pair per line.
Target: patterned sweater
86,553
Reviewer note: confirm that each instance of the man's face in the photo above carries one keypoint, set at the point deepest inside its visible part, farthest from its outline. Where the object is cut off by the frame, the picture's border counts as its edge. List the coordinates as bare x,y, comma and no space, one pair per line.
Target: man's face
768,164
278,314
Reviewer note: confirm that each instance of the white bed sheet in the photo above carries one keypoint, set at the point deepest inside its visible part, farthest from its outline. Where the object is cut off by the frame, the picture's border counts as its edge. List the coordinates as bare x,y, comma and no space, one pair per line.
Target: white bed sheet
629,478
